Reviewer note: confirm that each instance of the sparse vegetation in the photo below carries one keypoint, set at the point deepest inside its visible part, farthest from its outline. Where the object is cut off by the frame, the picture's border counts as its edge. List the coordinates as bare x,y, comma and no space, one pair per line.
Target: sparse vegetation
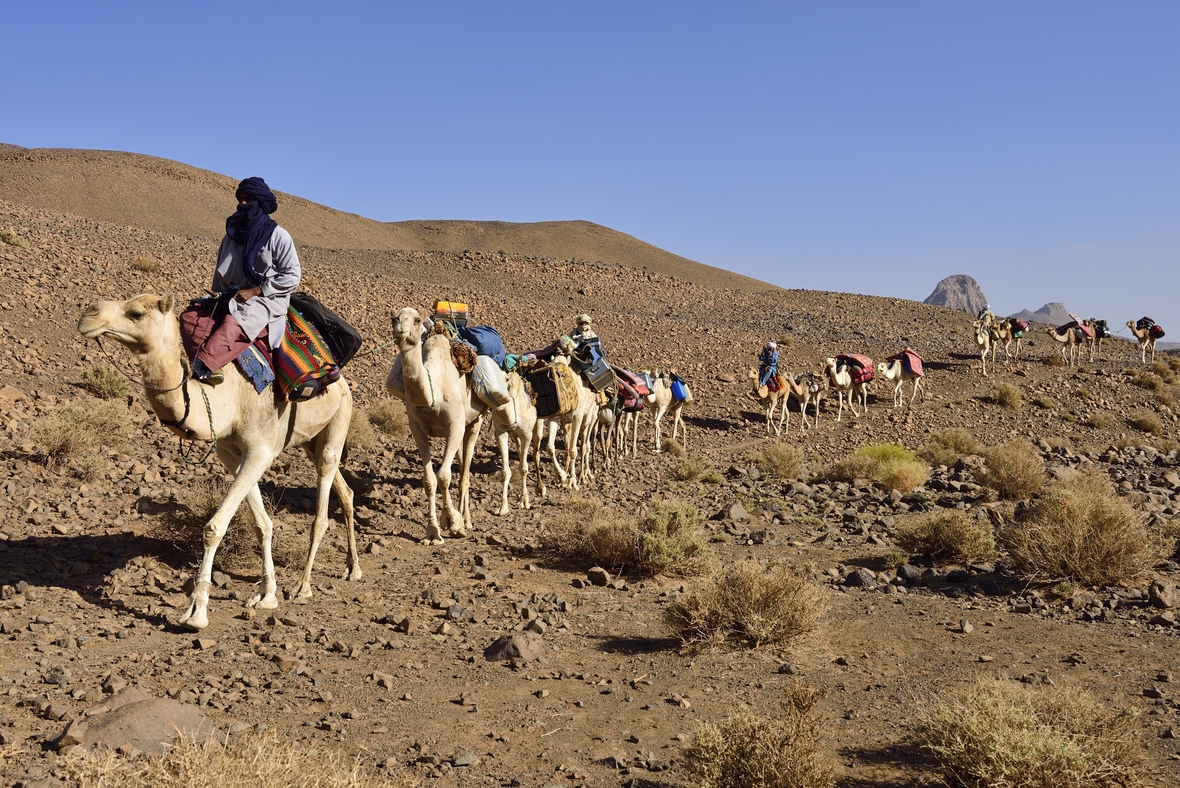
948,535
1083,392
1014,469
72,435
389,416
894,466
361,434
1053,360
750,605
1000,733
950,446
748,750
1146,421
8,236
1046,403
667,540
673,447
103,380
695,468
780,459
149,265
252,763
1100,420
1080,529
1007,396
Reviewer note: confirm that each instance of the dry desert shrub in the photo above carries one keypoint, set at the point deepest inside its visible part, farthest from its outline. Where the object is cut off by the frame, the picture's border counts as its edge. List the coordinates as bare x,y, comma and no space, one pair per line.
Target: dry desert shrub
149,265
1007,396
694,468
72,435
673,447
1164,370
666,540
1146,421
747,604
8,236
949,535
748,750
780,459
1045,403
1080,529
950,446
389,416
361,434
1053,360
1100,420
1001,733
894,466
183,527
103,380
1014,469
252,763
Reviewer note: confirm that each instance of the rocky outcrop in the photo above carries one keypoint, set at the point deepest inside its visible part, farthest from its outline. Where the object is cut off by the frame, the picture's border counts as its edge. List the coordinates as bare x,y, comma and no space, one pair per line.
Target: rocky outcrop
1053,313
958,292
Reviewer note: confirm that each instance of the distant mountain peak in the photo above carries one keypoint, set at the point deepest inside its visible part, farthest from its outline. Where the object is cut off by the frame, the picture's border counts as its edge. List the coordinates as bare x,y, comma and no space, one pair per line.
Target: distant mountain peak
1053,312
958,292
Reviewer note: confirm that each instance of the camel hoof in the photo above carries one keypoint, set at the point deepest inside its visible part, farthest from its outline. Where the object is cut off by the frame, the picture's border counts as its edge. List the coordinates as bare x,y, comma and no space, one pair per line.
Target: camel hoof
428,542
353,575
303,591
192,619
503,510
268,602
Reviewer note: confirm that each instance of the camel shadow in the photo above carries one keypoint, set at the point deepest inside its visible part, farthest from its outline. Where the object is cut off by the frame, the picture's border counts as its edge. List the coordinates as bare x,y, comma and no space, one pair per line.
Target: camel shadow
634,645
707,423
918,767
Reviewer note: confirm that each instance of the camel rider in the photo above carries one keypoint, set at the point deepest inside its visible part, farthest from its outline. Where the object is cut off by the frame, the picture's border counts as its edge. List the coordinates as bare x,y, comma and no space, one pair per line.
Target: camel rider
257,271
582,330
769,361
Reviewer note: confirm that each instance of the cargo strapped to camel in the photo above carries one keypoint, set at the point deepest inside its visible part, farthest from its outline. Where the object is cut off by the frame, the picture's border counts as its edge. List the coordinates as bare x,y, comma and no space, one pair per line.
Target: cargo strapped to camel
1144,323
630,400
1102,329
554,387
452,312
588,359
910,360
338,334
1018,327
636,382
1156,331
486,341
680,390
859,367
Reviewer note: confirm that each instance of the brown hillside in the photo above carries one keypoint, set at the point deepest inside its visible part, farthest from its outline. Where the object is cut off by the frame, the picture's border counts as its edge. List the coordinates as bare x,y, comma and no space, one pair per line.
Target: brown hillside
158,194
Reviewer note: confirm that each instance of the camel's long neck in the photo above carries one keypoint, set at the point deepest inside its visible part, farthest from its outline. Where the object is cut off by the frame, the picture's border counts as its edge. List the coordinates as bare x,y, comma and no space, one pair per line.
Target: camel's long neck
162,374
419,388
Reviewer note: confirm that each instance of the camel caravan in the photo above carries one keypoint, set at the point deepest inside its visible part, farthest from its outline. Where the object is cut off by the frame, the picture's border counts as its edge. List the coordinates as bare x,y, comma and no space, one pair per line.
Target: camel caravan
1072,338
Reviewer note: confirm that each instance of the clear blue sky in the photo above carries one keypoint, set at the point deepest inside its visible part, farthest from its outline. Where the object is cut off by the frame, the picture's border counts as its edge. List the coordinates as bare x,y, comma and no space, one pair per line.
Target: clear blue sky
868,147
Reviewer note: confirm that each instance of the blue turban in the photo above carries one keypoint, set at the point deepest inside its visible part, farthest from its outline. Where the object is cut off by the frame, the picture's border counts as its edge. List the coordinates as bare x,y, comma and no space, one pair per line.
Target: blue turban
251,225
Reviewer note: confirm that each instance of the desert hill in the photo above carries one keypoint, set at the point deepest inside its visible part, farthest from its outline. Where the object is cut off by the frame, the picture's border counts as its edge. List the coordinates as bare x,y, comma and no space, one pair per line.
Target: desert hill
1053,313
158,194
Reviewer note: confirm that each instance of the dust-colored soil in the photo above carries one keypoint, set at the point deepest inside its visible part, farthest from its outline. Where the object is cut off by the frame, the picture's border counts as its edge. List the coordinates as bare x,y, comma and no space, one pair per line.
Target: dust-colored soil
91,587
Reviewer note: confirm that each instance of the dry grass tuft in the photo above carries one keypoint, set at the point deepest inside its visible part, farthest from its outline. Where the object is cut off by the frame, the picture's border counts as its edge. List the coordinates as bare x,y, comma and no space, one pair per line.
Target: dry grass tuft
999,733
667,540
1146,421
252,763
103,380
183,527
694,468
1100,420
8,236
748,750
749,605
72,435
361,435
1053,360
149,265
894,466
949,535
1080,529
1014,469
950,446
1045,403
780,459
389,416
1007,396
673,447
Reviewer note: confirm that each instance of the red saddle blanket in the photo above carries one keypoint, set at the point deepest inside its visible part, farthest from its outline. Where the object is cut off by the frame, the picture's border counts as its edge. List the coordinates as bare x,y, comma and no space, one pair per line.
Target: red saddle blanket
860,367
910,360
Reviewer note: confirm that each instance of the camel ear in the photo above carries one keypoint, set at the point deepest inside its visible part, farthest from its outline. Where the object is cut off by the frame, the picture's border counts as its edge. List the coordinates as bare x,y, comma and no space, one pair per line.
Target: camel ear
166,303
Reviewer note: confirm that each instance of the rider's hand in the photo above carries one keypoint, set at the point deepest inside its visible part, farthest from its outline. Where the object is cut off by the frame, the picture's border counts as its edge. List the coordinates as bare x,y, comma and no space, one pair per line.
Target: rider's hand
242,296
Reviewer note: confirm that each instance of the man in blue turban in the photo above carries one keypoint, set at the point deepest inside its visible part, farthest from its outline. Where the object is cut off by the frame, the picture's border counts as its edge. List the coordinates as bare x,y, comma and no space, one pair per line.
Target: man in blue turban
257,259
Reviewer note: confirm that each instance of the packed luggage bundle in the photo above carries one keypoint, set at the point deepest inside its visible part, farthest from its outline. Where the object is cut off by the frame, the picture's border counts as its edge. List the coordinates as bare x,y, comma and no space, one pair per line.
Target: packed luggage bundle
680,390
452,312
302,362
630,400
486,340
636,382
1144,323
588,359
554,387
1156,332
338,334
910,360
1018,327
859,367
1102,329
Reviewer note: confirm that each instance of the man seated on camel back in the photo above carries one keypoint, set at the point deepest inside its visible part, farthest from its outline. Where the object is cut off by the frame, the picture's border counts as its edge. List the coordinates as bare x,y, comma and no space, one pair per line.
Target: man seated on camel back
257,271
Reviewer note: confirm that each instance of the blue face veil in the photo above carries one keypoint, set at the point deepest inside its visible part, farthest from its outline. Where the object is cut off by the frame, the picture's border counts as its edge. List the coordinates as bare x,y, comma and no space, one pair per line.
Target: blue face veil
251,225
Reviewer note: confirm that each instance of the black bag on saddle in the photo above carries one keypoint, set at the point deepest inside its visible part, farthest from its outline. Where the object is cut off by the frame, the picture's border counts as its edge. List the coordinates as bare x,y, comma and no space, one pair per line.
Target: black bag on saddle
339,335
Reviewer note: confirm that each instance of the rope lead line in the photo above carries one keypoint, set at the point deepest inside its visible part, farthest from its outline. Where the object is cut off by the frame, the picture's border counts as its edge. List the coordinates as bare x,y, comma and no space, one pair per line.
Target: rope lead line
213,447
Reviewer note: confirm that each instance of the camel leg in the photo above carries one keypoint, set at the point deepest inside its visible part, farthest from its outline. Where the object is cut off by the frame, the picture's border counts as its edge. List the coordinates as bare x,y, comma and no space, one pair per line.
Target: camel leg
522,449
784,415
248,473
659,415
506,468
429,483
535,442
470,438
266,598
560,468
679,426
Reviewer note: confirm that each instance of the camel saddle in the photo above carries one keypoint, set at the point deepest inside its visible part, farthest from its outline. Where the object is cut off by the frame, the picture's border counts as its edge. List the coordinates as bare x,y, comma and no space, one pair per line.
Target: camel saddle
859,367
910,360
553,388
775,384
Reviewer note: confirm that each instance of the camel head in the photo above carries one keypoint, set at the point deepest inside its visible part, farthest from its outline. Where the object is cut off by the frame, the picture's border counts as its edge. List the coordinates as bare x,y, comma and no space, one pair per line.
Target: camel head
140,323
1131,325
407,328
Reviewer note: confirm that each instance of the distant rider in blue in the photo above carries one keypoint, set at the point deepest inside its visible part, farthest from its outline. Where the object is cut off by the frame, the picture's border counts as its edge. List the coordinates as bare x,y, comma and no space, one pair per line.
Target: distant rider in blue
769,360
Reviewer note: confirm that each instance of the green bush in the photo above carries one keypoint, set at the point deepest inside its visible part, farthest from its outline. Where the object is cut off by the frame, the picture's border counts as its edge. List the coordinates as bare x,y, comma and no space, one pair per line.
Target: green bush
894,466
780,459
1007,396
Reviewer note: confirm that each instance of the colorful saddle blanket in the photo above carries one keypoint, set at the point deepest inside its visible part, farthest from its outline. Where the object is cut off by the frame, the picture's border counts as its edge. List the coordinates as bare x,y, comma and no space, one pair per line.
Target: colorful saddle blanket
859,367
909,359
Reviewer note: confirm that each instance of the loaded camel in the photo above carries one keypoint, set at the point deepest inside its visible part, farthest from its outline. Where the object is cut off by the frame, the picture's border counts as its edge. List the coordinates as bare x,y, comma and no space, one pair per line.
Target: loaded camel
440,404
1070,338
840,379
1145,341
578,426
1093,342
523,427
249,430
896,372
770,402
983,341
1006,333
807,387
664,403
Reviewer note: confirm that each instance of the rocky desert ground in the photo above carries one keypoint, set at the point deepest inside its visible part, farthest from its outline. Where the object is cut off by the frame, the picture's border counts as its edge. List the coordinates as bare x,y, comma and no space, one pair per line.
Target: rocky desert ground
391,669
